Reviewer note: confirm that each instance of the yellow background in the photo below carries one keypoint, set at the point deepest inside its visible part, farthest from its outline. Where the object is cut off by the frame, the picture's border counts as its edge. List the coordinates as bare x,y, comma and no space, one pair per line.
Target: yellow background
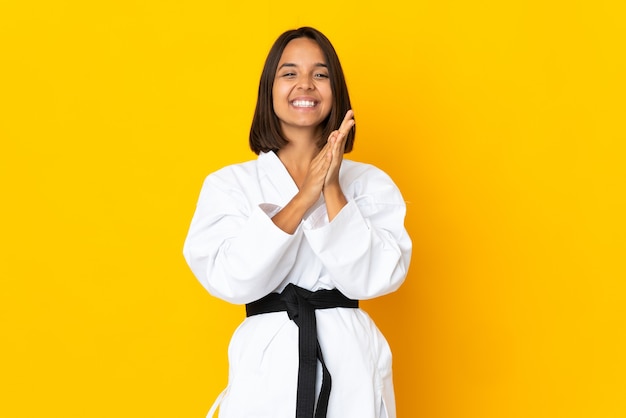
501,121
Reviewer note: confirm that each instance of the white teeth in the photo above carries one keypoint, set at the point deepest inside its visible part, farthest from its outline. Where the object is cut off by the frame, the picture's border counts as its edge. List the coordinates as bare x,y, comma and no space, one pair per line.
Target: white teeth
303,103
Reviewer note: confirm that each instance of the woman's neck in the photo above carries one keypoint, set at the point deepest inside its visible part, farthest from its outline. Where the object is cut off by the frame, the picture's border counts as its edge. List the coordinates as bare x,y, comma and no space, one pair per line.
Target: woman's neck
297,155
302,144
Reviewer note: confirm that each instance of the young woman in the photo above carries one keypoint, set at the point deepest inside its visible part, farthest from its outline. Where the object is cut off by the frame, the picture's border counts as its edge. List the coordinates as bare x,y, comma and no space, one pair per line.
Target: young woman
299,235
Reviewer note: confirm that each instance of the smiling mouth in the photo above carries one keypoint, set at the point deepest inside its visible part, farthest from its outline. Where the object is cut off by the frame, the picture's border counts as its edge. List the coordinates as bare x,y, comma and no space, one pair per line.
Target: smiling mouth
303,103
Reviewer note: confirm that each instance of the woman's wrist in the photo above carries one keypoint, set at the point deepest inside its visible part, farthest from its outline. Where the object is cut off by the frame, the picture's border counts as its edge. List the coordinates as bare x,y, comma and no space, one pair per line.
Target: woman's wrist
335,200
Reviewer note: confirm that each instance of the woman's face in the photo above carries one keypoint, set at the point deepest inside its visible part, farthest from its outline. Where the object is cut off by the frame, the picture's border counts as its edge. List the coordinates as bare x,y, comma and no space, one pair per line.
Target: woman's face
302,96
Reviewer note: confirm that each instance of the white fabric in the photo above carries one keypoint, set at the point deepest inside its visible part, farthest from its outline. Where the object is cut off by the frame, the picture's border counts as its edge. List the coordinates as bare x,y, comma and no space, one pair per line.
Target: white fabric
239,255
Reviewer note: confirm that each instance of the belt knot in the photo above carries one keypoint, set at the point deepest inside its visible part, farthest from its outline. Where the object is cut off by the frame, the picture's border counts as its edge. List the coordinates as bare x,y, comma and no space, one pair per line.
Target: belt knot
296,300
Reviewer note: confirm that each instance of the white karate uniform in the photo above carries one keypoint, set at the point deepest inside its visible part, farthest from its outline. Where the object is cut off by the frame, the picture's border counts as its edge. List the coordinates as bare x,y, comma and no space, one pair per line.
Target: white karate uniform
240,255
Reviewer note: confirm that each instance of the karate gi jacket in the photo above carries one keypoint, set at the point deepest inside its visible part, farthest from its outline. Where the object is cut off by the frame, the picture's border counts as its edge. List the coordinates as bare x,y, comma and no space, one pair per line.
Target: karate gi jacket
239,255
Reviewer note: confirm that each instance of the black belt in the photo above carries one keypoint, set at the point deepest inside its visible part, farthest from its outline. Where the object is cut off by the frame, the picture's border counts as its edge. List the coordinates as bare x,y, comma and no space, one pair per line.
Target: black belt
300,305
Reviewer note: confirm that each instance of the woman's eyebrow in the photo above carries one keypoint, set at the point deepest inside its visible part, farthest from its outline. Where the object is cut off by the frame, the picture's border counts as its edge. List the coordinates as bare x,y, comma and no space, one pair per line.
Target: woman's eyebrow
291,64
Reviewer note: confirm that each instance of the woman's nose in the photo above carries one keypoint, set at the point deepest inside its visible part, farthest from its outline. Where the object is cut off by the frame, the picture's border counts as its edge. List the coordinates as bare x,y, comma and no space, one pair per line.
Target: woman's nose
305,83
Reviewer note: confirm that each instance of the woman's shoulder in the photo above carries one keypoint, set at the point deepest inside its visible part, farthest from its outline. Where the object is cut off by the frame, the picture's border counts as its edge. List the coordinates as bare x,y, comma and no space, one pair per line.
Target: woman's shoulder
235,168
362,179
353,170
234,171
230,177
265,161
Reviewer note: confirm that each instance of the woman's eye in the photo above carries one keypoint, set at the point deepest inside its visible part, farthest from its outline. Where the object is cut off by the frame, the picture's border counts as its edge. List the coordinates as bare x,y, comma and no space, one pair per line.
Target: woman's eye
321,75
289,75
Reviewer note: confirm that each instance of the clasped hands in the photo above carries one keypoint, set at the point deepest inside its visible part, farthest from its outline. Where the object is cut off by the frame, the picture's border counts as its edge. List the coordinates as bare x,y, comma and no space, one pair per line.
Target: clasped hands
323,173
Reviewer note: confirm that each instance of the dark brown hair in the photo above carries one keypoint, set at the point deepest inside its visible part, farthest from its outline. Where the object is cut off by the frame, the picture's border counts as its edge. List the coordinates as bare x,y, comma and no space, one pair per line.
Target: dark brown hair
265,133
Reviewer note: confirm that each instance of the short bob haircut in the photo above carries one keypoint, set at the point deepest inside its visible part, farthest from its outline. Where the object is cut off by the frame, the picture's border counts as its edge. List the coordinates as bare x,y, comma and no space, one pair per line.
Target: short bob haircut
265,132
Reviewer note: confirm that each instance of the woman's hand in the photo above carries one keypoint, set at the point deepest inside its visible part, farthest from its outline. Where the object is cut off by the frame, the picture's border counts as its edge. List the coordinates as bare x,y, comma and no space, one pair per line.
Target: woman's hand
323,171
333,195
337,143
315,179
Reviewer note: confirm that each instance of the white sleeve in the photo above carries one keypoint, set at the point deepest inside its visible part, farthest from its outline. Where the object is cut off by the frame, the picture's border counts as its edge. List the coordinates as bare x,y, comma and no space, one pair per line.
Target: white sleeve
233,247
366,248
